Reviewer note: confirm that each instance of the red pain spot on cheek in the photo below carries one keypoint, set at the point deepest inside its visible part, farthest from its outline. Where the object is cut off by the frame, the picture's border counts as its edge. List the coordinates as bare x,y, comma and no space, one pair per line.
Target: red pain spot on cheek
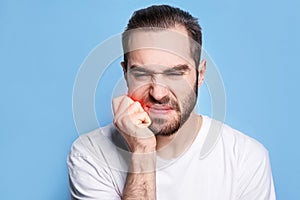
135,99
142,104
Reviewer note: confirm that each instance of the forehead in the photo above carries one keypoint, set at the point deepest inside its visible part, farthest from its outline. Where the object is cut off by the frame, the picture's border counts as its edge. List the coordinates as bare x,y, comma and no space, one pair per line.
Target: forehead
162,47
156,58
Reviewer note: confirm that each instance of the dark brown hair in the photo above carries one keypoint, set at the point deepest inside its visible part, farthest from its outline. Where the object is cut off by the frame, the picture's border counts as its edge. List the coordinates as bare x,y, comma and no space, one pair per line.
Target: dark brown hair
165,16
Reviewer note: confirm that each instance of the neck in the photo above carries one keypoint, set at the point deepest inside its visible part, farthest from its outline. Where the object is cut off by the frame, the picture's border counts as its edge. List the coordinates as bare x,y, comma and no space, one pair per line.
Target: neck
169,147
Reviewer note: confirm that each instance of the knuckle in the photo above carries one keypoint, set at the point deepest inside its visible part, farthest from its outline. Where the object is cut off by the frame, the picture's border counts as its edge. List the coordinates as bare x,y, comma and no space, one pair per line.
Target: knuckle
115,121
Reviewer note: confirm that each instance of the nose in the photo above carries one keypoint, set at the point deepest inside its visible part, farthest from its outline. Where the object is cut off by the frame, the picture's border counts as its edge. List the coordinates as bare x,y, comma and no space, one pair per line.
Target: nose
158,91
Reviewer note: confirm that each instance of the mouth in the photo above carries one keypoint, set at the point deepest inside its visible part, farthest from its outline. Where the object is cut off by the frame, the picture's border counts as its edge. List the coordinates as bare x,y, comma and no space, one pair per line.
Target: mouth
159,109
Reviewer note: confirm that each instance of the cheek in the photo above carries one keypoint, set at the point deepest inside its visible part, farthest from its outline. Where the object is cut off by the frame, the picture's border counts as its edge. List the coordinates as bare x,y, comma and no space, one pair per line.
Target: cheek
137,92
183,90
183,86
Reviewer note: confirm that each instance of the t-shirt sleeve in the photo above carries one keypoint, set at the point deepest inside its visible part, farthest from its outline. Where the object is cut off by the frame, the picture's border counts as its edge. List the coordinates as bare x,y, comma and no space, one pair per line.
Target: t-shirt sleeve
254,173
89,179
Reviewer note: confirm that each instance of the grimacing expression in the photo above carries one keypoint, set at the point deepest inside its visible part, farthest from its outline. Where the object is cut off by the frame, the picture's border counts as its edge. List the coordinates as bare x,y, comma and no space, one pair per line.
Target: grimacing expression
162,80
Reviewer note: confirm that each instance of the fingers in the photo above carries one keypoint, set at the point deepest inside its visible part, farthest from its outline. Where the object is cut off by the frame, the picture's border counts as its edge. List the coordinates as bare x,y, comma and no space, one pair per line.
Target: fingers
135,107
129,113
140,119
116,102
124,106
132,123
121,103
133,114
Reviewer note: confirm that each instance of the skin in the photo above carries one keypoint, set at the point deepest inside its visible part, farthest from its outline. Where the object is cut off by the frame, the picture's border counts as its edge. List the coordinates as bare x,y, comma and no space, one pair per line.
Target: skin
148,115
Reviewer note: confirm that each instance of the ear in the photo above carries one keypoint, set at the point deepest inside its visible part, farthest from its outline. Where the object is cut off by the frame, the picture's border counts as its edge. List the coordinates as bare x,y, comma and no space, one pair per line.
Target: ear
202,70
124,67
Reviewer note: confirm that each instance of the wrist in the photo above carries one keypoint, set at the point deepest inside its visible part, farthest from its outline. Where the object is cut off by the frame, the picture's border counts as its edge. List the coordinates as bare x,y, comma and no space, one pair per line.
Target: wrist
143,149
143,162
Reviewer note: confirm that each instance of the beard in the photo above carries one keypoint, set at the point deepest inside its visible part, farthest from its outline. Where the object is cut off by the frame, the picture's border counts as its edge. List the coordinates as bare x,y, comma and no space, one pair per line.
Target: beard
167,127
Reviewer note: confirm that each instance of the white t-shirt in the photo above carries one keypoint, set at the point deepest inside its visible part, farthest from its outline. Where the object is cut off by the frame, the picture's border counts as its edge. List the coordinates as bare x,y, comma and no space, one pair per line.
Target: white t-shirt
219,165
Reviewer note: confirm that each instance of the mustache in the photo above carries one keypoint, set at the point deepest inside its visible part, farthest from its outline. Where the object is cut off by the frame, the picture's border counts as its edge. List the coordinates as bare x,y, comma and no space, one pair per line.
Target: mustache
165,101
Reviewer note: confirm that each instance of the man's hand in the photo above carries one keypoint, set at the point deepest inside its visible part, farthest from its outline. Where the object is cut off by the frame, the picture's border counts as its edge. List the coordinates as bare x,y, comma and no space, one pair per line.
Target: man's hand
132,122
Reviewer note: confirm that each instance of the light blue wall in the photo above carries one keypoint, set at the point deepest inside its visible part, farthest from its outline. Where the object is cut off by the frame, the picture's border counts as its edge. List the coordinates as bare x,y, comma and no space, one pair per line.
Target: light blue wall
255,45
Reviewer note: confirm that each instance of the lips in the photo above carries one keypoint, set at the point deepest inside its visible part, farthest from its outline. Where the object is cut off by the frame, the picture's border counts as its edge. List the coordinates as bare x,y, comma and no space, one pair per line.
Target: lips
159,109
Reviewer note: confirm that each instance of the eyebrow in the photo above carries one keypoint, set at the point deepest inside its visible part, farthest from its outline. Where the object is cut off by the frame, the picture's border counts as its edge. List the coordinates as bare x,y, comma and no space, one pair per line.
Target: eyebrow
180,67
138,68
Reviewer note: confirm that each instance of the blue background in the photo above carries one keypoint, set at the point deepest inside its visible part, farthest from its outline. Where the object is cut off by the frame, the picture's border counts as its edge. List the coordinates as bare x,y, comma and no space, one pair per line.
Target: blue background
255,45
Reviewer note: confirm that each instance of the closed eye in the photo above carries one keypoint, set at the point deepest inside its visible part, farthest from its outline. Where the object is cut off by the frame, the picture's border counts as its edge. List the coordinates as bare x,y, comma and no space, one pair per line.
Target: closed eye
141,74
179,70
175,73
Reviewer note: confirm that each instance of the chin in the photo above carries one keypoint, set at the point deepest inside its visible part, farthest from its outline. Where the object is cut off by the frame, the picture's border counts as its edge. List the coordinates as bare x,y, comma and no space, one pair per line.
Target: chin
164,129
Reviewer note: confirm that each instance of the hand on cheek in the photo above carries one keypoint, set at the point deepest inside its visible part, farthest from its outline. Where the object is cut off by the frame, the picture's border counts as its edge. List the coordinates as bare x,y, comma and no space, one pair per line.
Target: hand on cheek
132,122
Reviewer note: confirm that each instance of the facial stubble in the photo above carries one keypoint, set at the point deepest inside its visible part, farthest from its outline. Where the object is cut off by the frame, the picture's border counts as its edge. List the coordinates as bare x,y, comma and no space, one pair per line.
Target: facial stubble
182,115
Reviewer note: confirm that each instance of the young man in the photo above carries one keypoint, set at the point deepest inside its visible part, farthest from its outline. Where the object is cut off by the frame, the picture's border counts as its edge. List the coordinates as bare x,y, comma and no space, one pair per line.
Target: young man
152,151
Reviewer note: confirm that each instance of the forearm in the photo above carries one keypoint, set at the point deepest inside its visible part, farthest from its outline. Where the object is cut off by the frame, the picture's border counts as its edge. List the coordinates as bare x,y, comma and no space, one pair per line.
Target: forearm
140,183
132,122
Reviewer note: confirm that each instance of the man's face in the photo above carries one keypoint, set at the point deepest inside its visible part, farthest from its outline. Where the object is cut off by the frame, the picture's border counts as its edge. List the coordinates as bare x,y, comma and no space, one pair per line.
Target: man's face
164,82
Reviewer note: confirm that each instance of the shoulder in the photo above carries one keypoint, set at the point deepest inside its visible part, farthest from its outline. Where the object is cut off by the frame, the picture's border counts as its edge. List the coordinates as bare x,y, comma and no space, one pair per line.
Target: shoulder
243,147
252,164
238,138
89,140
231,141
101,139
91,162
103,147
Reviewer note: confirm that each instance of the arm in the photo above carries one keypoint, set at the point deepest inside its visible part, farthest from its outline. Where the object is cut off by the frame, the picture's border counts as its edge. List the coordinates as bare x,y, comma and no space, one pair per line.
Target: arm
140,182
132,122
